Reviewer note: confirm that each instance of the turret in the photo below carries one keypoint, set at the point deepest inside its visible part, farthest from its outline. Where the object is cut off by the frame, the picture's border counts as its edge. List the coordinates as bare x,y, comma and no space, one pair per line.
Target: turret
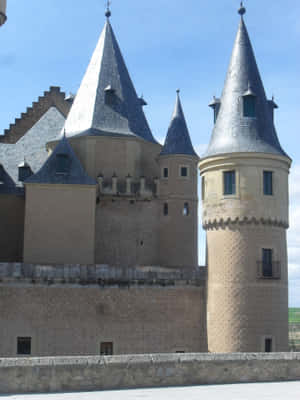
245,215
178,195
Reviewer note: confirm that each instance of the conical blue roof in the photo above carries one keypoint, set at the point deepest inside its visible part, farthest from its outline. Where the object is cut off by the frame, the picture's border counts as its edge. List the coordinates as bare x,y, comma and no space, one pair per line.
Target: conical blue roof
51,172
178,139
106,102
233,132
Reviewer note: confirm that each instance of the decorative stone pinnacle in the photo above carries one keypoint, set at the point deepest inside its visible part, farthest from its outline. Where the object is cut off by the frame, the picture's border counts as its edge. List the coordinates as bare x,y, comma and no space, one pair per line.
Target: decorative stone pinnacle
108,12
242,9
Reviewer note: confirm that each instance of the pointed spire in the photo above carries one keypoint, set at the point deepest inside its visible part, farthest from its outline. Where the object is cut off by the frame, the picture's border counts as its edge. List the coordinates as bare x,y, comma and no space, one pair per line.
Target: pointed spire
178,139
235,130
106,102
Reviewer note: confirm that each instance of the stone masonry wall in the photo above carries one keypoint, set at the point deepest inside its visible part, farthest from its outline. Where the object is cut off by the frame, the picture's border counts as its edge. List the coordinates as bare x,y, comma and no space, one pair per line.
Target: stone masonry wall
70,310
134,371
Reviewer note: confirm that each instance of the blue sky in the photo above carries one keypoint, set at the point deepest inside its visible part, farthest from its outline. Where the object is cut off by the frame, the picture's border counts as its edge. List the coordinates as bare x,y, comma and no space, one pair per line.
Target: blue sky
167,45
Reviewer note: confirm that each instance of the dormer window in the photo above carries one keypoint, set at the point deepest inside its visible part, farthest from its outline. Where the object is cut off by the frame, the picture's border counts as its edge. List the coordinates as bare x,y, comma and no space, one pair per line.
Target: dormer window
24,171
62,164
215,105
249,104
109,93
272,107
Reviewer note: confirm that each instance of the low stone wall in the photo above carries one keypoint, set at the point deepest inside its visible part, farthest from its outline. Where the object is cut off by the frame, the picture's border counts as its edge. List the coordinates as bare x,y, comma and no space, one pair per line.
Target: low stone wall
58,374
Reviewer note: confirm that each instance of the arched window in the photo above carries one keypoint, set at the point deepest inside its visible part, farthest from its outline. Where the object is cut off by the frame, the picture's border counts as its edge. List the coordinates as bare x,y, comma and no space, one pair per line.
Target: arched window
186,210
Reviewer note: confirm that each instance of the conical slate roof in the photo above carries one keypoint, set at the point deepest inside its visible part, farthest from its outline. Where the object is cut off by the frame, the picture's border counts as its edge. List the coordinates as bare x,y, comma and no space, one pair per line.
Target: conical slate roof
233,132
106,102
51,174
178,139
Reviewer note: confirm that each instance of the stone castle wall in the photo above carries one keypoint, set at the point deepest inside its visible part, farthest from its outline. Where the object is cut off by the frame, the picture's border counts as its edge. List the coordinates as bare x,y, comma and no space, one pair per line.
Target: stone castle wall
71,310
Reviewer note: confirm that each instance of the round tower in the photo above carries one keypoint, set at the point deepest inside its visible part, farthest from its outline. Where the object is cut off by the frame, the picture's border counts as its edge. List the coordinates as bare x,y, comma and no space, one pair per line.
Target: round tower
178,197
245,215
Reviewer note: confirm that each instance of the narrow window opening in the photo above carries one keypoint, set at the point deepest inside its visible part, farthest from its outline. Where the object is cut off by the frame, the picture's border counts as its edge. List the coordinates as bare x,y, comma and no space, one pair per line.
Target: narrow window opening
268,345
166,172
62,163
142,243
249,106
186,210
184,172
229,182
166,209
267,262
24,345
106,349
268,183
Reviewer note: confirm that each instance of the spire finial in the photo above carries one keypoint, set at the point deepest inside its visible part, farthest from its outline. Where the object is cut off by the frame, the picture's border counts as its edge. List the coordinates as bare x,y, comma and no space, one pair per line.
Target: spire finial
108,12
178,91
242,9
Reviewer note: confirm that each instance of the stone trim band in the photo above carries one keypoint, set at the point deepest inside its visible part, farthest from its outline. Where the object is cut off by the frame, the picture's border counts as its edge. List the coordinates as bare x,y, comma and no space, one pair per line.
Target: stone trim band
222,223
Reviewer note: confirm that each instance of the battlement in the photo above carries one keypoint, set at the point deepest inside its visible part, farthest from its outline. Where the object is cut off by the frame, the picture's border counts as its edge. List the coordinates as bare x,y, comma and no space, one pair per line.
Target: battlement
146,188
102,275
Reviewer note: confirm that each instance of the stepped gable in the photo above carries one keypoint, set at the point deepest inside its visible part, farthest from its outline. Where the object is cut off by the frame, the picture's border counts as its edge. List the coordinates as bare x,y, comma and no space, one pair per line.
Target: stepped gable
106,102
71,172
178,139
233,132
52,98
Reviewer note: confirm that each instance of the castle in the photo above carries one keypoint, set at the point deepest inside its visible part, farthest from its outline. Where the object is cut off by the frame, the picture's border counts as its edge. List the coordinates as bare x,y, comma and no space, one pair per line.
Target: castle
99,222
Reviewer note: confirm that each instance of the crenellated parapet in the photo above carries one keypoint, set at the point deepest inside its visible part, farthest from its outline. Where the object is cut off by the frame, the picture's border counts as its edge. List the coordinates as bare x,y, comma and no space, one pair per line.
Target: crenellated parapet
147,188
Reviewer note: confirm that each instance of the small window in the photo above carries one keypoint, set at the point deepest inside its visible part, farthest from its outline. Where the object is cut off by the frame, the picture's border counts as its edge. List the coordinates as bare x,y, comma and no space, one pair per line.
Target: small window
24,345
267,263
268,345
166,209
184,172
109,94
249,106
106,349
268,183
24,173
186,210
62,163
165,172
229,182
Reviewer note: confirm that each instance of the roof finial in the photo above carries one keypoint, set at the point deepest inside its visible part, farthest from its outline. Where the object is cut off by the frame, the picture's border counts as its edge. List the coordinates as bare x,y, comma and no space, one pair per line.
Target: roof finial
108,12
242,9
178,91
